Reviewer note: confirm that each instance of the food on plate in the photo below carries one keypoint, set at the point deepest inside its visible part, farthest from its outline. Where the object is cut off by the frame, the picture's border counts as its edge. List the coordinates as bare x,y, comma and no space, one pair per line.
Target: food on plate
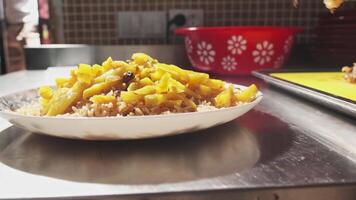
332,5
350,73
140,86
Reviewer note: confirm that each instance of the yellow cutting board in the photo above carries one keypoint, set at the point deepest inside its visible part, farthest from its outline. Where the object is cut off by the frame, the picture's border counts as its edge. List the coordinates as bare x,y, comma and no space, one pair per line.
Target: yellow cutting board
328,82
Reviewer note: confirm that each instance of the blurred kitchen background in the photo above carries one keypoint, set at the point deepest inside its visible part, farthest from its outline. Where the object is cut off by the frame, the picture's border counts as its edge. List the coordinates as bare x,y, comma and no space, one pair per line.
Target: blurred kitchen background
71,31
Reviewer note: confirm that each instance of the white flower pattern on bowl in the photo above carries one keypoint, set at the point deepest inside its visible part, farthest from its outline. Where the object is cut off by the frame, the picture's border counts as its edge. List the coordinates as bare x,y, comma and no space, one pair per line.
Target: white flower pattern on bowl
188,45
206,53
236,44
263,53
228,63
288,44
278,62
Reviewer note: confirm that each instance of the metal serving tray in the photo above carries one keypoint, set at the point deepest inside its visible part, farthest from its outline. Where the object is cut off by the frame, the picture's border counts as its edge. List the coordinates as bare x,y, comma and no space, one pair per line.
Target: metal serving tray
337,103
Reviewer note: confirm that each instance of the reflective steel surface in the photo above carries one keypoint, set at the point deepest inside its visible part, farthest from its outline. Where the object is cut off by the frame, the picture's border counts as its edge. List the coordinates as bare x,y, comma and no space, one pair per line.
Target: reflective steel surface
41,57
284,144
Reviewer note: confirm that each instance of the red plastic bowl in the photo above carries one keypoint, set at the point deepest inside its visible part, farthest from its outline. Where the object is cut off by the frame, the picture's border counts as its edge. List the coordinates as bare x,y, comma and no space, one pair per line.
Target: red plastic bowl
237,50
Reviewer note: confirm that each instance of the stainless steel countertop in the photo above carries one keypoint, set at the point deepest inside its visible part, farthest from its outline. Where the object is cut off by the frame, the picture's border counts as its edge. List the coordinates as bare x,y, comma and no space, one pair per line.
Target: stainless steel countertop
286,142
41,57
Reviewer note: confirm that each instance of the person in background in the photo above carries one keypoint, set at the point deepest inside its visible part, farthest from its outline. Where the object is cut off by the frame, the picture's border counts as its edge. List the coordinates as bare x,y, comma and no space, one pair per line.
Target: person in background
21,20
44,24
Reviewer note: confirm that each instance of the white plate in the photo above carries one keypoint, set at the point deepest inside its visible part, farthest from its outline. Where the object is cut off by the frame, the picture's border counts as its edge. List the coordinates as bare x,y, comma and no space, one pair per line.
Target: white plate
116,128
